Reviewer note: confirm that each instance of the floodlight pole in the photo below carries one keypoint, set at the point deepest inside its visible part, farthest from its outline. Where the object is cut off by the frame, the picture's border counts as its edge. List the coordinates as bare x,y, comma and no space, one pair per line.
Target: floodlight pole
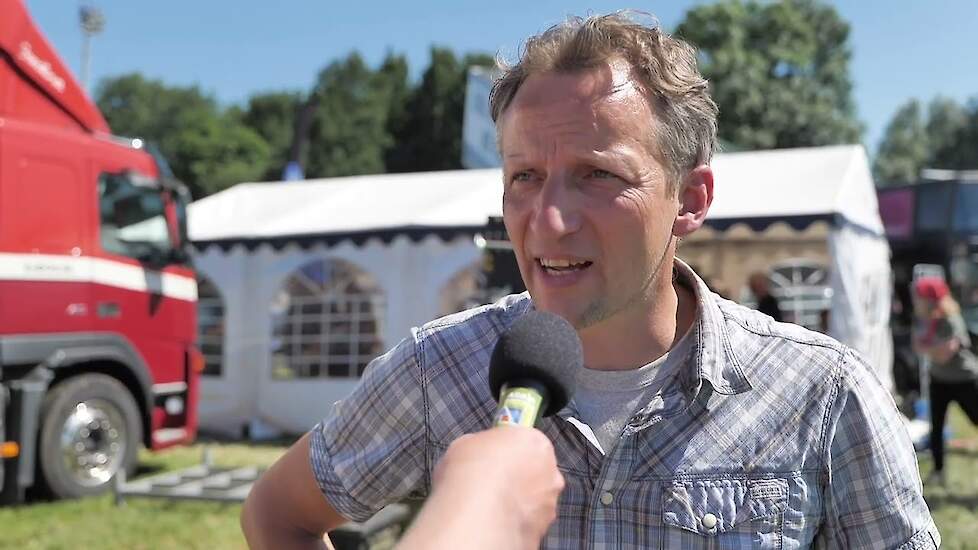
92,22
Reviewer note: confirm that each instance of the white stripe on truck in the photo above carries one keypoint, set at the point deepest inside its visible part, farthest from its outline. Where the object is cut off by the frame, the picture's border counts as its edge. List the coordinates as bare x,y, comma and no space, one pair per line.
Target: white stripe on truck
85,269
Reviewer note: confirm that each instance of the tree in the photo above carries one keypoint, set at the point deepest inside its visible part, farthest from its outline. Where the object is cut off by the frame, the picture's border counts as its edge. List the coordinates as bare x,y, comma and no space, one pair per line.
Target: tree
953,130
207,148
905,147
430,137
945,119
947,138
272,116
349,129
779,72
393,75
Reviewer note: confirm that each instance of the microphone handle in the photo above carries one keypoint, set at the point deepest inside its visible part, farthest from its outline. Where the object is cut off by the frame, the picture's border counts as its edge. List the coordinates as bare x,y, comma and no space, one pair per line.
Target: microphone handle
521,403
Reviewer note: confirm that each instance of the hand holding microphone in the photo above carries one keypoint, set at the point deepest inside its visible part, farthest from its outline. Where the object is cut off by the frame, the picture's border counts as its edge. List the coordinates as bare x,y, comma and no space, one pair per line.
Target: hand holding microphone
492,489
499,488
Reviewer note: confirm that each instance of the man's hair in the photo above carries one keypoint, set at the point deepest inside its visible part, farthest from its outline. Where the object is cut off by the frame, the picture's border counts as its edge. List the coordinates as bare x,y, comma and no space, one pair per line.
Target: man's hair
664,68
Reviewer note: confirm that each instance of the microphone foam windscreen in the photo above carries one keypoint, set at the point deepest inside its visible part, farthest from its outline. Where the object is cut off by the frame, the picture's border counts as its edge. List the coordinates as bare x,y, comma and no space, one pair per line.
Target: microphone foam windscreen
541,347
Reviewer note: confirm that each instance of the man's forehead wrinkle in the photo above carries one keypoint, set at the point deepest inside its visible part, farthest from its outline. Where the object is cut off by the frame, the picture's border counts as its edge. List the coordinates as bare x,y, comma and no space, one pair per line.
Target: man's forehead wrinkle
560,134
621,87
585,115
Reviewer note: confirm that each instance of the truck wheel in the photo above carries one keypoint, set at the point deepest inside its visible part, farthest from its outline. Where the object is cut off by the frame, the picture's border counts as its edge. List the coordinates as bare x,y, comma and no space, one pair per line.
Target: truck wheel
90,430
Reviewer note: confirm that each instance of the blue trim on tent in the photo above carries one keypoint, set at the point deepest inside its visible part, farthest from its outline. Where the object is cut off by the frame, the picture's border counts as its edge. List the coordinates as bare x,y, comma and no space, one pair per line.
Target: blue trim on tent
359,238
418,232
760,223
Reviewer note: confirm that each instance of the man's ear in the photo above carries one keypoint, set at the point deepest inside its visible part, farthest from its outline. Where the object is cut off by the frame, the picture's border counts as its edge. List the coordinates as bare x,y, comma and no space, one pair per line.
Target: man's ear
695,198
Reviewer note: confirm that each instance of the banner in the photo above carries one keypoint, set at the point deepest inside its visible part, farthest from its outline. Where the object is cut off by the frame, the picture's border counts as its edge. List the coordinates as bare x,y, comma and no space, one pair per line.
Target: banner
478,131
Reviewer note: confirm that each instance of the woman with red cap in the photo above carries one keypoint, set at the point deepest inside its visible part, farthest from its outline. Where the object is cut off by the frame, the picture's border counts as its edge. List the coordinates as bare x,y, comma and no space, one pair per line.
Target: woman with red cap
941,335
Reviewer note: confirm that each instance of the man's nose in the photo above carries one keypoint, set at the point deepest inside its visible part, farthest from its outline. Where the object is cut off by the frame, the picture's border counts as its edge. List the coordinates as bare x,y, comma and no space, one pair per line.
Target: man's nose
557,211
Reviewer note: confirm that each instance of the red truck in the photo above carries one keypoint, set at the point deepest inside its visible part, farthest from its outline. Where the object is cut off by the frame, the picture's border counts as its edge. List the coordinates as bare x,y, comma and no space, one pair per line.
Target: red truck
97,300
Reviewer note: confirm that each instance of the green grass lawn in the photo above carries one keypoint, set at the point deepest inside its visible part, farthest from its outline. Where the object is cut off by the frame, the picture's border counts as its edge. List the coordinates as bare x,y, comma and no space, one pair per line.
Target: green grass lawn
158,525
955,506
97,523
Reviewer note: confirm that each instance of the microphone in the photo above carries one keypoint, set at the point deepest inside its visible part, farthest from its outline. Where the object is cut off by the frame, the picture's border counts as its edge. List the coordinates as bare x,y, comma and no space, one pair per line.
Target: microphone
534,367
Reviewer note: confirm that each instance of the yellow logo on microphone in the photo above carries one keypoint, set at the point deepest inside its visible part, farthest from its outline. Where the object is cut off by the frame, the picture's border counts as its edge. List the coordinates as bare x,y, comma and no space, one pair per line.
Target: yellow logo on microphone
518,407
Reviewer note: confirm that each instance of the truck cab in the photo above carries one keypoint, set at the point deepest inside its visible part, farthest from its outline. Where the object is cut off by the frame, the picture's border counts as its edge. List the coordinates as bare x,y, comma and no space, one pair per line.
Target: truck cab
97,300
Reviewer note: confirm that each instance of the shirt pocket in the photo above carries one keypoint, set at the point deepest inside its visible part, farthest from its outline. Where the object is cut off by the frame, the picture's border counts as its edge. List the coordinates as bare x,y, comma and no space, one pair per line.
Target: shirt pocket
724,514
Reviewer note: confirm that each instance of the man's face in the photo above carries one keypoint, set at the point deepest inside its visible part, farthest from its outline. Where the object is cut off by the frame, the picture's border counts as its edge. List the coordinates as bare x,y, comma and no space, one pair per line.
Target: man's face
587,205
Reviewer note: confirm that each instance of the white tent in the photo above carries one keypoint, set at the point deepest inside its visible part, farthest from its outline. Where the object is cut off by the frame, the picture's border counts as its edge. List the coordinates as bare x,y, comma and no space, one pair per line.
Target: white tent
413,235
809,188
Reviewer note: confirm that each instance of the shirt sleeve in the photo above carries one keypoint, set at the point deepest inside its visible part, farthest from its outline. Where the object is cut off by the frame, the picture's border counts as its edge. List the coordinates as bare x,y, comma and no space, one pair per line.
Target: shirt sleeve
371,451
873,495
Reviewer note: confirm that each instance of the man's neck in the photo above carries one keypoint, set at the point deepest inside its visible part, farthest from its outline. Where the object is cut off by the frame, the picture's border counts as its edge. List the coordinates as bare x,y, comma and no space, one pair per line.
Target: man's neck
636,338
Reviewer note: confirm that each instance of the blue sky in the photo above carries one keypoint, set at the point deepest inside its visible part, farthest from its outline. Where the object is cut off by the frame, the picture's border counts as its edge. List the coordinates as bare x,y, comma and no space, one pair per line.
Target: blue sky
901,48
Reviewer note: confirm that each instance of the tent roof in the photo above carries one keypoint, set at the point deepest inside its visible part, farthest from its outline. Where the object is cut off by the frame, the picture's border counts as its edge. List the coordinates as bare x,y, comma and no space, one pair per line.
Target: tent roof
797,186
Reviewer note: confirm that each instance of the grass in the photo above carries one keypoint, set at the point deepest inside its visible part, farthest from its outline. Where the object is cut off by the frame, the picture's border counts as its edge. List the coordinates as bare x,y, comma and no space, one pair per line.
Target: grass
97,523
955,505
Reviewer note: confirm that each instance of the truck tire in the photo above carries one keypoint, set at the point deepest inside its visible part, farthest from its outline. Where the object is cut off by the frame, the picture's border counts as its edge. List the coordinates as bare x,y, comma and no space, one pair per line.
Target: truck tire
90,430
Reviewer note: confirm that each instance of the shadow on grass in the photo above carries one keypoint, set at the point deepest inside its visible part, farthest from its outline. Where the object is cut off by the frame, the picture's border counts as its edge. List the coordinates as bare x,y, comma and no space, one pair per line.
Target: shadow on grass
204,438
937,499
970,451
144,469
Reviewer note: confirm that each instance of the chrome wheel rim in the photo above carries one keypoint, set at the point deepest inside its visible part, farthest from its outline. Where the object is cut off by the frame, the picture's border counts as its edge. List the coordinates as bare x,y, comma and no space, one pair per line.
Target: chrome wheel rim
93,442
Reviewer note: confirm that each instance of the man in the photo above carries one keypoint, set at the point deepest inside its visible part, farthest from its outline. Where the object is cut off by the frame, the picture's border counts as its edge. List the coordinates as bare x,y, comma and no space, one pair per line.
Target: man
767,304
698,423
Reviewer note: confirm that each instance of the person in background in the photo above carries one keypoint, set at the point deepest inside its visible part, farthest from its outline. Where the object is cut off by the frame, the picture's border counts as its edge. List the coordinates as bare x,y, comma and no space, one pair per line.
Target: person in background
767,304
940,334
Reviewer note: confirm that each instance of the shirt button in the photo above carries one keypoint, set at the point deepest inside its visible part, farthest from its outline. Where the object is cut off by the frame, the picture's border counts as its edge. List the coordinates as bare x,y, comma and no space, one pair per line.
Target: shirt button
607,498
709,521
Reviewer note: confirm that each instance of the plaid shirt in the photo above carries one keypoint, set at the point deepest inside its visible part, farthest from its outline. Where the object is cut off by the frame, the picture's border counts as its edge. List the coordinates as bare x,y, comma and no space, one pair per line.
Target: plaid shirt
771,437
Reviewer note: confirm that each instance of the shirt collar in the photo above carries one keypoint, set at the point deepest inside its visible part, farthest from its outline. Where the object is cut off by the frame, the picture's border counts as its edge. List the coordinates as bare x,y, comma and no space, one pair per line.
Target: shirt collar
713,359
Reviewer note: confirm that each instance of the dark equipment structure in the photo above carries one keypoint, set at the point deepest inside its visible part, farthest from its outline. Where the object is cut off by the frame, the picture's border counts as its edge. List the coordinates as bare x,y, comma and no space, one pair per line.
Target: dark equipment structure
934,221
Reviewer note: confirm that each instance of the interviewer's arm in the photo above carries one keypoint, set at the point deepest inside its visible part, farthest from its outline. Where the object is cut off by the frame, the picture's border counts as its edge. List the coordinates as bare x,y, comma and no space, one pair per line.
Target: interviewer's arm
494,489
285,508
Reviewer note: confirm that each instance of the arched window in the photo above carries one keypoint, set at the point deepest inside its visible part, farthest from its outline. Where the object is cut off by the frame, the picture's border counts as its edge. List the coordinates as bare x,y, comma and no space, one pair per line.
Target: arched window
463,291
326,322
210,326
803,292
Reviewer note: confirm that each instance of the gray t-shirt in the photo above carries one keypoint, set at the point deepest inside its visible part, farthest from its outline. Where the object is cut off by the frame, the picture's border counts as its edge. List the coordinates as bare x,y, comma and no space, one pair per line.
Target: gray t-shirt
606,400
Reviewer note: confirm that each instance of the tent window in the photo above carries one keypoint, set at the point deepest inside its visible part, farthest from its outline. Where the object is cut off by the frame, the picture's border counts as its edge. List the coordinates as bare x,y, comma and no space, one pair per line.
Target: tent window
803,292
466,289
326,322
210,326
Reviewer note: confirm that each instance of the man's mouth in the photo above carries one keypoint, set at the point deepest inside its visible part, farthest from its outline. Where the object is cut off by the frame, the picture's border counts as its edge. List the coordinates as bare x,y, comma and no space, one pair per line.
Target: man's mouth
559,267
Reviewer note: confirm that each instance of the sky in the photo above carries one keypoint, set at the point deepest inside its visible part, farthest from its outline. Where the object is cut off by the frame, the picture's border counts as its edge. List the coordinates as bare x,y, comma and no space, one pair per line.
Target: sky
902,49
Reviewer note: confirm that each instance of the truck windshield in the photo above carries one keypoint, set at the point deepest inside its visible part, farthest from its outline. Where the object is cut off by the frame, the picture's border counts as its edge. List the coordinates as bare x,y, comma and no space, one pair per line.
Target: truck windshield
133,217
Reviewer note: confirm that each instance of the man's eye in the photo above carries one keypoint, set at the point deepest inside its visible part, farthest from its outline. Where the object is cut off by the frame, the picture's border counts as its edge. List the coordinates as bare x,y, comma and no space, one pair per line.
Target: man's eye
601,174
521,176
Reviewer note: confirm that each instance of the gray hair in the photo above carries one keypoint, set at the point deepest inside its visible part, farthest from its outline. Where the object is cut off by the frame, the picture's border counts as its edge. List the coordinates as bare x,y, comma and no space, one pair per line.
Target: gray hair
664,69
